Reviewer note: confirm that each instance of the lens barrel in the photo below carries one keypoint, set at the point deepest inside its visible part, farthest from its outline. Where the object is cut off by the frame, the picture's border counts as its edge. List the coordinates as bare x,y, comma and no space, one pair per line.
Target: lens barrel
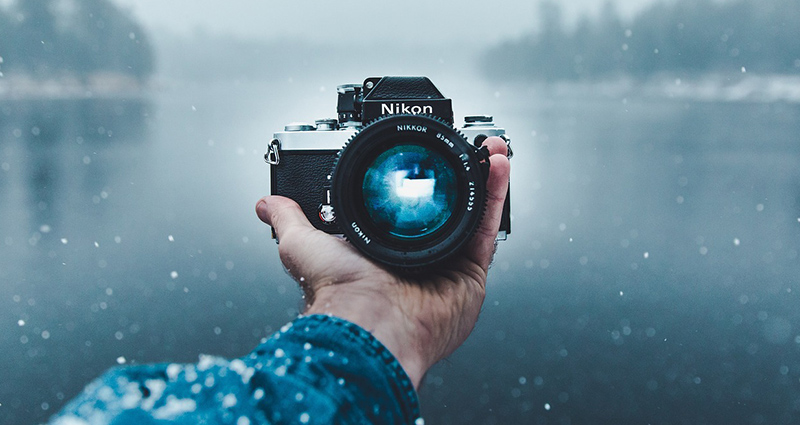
409,191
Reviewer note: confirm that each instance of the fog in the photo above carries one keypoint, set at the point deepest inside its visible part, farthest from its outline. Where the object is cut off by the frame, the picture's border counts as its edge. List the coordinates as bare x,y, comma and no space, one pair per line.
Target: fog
651,275
360,23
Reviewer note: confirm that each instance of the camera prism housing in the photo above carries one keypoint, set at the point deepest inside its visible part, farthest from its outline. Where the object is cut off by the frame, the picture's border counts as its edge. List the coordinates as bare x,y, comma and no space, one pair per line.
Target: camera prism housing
391,172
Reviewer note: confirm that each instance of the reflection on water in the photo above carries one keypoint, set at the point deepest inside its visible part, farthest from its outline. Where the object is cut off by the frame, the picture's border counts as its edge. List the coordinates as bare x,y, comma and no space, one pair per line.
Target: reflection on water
48,147
651,276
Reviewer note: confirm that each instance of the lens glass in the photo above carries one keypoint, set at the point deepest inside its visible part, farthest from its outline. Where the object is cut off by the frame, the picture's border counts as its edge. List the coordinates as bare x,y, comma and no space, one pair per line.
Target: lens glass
409,191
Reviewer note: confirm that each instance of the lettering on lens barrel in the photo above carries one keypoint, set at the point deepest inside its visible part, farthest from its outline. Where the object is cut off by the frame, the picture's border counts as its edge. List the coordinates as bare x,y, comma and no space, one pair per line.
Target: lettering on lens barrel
410,186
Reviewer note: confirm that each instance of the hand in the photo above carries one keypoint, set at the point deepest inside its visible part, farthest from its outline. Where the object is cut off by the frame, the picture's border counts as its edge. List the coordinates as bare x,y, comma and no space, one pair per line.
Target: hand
420,319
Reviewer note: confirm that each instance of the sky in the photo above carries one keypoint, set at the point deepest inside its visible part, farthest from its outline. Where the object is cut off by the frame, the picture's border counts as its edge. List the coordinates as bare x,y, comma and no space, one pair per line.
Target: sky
481,22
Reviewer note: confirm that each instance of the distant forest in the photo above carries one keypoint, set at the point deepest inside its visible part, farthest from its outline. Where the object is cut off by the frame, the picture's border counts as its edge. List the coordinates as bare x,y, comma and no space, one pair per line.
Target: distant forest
76,38
682,37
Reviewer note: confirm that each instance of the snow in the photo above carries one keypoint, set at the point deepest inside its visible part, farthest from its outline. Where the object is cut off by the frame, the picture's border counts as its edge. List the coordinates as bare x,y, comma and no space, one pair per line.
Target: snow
205,362
174,407
229,401
70,420
190,374
131,397
105,393
156,387
172,371
238,366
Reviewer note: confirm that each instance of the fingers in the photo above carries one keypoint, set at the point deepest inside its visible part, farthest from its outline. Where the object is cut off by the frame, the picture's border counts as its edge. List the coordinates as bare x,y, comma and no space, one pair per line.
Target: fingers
283,214
496,145
481,248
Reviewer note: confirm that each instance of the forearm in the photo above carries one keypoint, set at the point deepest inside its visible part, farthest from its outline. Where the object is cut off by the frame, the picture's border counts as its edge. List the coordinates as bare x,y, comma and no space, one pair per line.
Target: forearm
376,312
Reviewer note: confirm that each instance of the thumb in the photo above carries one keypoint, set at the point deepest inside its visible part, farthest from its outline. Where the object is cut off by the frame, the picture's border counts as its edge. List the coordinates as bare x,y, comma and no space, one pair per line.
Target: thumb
283,214
312,257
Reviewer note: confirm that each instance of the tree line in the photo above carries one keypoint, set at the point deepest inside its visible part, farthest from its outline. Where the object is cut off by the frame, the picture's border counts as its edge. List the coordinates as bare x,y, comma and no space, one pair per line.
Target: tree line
684,37
79,38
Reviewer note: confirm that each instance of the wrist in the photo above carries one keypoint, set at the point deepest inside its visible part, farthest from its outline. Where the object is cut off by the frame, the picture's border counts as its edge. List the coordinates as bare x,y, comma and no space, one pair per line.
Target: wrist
376,312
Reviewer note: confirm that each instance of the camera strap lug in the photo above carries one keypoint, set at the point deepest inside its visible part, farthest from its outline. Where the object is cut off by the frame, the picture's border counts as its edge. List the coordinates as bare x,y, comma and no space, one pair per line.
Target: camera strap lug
483,153
273,154
510,153
483,158
481,137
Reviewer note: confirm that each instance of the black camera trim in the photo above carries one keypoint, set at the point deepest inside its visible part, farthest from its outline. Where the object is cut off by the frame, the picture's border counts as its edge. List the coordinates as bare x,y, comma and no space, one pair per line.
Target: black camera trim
433,133
403,96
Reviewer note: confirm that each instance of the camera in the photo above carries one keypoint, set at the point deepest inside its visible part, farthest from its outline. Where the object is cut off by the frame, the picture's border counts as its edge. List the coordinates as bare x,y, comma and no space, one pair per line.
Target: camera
391,173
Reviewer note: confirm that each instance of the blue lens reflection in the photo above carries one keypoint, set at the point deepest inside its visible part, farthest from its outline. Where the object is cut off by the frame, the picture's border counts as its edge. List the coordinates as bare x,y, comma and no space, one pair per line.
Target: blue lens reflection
409,191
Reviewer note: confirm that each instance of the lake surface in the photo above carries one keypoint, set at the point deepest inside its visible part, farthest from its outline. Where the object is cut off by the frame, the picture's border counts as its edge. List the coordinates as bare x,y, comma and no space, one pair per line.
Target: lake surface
652,274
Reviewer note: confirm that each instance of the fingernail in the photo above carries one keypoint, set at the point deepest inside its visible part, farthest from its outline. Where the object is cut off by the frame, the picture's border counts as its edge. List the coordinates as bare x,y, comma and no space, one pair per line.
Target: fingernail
261,210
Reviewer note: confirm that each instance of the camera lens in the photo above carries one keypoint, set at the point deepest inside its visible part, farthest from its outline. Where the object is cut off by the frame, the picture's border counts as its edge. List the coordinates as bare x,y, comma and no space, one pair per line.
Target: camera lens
408,191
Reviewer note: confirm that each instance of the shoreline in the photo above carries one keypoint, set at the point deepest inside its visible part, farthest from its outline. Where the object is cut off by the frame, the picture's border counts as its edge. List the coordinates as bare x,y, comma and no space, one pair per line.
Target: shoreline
97,86
744,88
707,88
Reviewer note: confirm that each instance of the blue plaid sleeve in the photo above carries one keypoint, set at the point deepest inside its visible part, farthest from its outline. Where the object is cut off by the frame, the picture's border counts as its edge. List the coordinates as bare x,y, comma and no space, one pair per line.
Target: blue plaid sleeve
315,370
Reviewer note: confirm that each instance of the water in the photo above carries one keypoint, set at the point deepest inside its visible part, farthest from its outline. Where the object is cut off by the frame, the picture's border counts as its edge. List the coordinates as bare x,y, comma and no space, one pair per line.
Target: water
651,276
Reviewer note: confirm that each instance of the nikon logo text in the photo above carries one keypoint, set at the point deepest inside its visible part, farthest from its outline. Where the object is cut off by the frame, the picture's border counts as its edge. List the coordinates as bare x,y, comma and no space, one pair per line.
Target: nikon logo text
402,108
360,233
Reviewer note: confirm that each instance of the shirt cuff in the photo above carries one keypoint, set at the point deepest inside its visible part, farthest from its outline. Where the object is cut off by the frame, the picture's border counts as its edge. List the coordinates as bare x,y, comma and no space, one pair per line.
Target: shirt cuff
324,348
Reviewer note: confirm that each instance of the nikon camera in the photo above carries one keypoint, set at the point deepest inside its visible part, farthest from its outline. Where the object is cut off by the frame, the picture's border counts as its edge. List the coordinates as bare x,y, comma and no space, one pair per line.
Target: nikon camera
391,173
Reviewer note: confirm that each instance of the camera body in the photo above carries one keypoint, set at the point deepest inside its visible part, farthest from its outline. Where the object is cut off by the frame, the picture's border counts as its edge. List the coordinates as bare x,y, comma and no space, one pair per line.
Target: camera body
304,156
